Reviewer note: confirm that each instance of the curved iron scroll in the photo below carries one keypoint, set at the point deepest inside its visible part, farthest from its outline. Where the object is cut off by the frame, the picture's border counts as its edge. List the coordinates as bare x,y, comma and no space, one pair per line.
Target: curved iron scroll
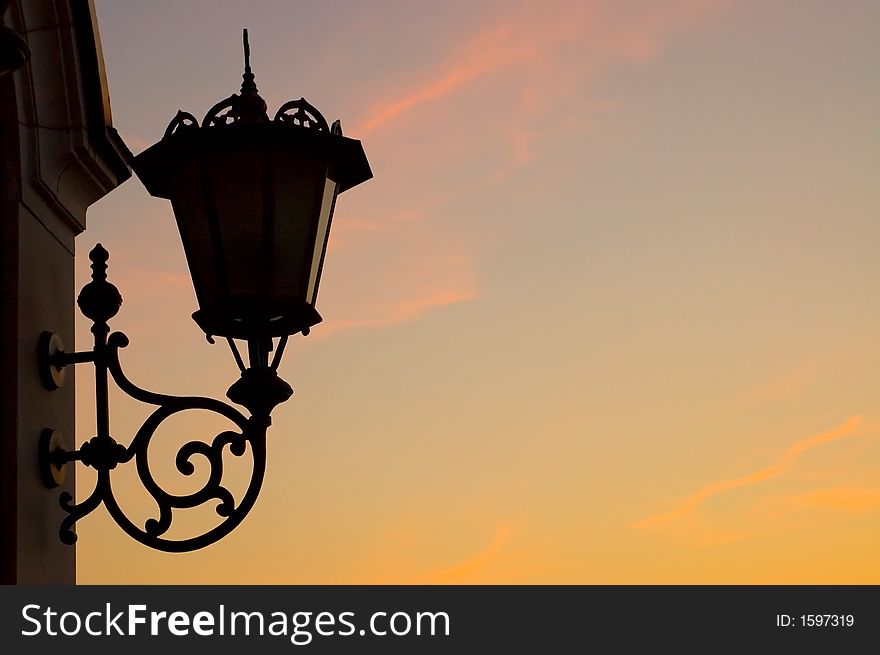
100,300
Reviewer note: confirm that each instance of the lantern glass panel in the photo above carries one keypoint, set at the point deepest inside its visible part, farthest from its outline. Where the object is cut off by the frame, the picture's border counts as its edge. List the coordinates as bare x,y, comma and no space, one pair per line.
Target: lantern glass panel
191,211
235,188
321,237
299,187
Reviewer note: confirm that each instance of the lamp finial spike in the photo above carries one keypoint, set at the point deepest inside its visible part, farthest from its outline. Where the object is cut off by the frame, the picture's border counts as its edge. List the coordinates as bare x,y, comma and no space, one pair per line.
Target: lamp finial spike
248,86
247,51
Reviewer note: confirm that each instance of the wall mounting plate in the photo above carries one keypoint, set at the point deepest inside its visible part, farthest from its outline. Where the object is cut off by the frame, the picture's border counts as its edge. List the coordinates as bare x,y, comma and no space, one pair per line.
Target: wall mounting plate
48,348
52,469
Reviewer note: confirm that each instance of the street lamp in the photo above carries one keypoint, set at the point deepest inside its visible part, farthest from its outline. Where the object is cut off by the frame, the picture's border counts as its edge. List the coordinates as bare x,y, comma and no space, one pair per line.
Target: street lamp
254,200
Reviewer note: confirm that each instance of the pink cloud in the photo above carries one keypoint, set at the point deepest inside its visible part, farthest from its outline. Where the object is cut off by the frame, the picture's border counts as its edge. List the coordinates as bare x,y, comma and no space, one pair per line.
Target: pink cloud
538,54
404,310
486,105
488,51
692,502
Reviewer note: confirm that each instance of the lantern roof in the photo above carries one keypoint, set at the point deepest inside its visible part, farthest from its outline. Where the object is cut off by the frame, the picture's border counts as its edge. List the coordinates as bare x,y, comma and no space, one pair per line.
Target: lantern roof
242,119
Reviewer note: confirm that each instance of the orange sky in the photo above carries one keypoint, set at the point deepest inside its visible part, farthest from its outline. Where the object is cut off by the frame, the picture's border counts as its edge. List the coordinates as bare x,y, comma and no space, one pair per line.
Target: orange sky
608,312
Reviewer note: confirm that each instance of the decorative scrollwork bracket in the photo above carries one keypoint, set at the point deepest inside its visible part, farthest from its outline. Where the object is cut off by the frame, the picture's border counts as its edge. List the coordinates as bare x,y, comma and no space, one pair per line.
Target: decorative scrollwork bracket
259,390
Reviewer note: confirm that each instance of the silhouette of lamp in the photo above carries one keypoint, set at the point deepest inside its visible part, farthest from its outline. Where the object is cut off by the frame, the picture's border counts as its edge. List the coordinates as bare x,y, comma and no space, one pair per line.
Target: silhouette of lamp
253,199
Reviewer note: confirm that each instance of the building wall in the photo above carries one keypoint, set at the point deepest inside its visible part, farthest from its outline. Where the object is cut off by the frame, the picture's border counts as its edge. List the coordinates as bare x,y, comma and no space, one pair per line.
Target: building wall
68,156
9,208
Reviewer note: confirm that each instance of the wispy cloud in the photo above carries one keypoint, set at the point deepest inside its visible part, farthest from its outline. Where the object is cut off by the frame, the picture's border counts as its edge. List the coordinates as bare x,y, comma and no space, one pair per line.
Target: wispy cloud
843,498
534,55
404,310
785,461
472,567
461,549
487,51
784,386
484,104
393,270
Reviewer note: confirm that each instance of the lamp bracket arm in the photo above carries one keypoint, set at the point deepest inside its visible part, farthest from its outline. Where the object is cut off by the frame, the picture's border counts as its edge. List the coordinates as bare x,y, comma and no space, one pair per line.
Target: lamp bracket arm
119,340
103,454
62,359
76,511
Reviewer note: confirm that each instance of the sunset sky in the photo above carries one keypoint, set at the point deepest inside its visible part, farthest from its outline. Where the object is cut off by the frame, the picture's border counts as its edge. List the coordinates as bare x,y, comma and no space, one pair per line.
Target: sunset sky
609,311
